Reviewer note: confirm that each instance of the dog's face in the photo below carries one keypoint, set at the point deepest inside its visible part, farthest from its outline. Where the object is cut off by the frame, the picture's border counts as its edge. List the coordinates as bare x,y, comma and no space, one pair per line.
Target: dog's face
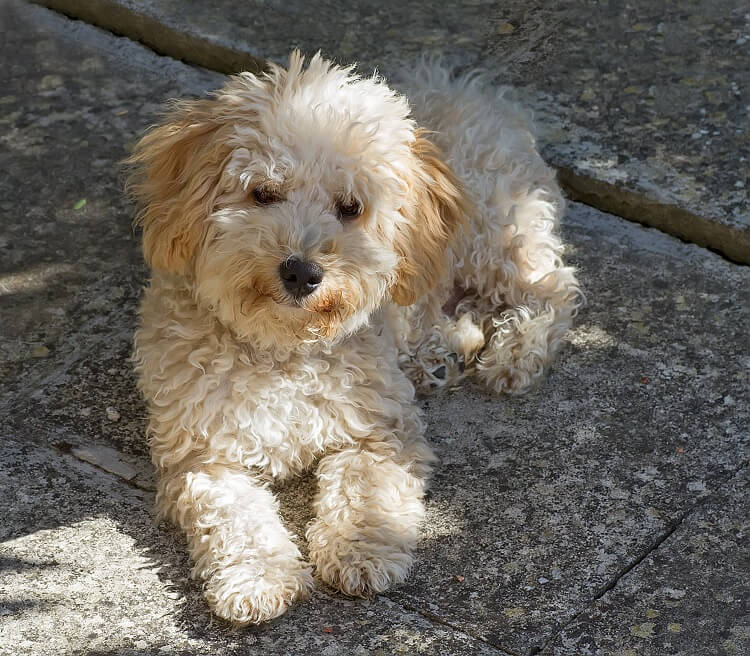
296,203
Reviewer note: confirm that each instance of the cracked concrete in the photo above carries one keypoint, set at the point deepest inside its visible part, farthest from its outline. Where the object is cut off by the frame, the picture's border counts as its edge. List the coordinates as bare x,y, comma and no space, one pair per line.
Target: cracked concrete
559,522
653,608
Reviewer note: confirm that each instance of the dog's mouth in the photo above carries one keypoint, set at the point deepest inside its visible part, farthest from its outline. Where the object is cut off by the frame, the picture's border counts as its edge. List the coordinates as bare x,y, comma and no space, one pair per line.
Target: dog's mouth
320,303
319,315
321,311
325,303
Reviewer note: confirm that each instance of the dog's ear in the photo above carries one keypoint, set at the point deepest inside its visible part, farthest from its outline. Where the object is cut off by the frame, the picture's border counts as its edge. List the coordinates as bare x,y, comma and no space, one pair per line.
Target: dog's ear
174,176
435,207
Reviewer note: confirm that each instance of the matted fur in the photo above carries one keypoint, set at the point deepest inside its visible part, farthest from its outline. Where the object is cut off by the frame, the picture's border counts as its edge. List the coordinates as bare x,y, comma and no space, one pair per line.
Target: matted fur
453,265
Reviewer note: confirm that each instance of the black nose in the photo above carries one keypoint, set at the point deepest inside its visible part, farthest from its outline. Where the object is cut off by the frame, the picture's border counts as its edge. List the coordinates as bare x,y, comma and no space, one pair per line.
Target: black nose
300,277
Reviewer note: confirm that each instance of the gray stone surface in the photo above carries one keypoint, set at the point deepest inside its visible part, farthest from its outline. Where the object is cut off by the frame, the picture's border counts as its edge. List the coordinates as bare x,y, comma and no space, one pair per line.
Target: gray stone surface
85,571
541,502
67,118
544,510
688,598
645,102
648,107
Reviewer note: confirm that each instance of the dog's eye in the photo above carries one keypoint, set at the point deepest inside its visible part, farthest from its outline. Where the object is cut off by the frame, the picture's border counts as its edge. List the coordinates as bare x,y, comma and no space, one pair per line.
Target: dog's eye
349,209
265,196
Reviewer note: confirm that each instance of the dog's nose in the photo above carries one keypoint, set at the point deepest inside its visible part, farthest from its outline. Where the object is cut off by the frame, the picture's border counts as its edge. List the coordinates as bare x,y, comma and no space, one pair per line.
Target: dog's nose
300,277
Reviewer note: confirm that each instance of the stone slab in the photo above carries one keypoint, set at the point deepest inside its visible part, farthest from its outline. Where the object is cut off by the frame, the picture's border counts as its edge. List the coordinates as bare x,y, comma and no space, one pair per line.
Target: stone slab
67,117
85,571
541,503
644,103
690,597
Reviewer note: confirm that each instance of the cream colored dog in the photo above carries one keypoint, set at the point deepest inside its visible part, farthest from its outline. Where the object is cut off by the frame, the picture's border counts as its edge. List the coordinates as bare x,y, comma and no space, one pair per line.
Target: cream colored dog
315,256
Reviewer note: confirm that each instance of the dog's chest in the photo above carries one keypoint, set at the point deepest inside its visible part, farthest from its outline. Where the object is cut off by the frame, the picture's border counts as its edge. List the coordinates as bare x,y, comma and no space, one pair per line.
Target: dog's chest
279,417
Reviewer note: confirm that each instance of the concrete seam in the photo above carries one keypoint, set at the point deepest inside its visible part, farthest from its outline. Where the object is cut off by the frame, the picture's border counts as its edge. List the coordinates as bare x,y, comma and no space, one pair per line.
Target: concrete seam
435,619
732,244
155,35
670,530
66,450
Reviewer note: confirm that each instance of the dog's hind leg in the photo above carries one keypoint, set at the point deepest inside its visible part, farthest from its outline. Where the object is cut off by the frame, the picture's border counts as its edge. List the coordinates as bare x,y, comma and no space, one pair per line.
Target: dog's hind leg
509,255
525,297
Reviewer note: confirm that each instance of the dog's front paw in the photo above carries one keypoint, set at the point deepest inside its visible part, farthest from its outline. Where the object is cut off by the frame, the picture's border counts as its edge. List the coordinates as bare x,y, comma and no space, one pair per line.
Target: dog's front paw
251,593
358,567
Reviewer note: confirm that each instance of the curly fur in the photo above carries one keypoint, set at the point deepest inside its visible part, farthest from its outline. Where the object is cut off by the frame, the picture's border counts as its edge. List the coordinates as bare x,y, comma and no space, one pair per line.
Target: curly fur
452,266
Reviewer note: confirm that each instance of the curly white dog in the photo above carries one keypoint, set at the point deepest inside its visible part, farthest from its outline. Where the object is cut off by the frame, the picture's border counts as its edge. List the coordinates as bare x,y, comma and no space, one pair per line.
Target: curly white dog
315,256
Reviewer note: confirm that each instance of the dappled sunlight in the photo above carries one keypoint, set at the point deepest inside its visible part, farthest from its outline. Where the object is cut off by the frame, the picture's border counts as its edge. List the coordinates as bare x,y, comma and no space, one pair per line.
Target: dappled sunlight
589,336
605,168
33,279
54,585
442,521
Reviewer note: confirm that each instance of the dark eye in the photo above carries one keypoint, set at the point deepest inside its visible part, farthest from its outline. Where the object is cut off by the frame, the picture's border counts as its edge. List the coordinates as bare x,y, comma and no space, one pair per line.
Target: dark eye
349,209
265,196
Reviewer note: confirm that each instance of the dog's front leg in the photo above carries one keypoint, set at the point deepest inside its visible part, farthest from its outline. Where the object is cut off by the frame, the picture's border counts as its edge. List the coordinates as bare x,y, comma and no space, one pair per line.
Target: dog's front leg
251,568
368,510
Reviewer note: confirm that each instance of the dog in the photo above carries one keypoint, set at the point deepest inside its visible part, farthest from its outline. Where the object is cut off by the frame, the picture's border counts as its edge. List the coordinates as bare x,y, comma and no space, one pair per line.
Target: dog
321,248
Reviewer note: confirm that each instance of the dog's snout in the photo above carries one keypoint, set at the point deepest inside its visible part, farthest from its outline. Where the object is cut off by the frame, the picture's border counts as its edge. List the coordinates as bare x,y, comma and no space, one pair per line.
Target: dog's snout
300,277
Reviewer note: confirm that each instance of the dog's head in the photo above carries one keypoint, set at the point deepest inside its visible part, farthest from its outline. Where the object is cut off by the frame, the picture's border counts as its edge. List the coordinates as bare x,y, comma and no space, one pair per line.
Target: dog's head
296,202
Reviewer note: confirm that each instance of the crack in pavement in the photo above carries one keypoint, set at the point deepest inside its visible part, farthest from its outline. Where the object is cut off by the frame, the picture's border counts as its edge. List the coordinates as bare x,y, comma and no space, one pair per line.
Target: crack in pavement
436,619
654,546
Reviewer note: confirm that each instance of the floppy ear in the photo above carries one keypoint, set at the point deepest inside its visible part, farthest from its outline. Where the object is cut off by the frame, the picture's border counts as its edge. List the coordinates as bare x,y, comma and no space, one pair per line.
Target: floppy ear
435,207
175,173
